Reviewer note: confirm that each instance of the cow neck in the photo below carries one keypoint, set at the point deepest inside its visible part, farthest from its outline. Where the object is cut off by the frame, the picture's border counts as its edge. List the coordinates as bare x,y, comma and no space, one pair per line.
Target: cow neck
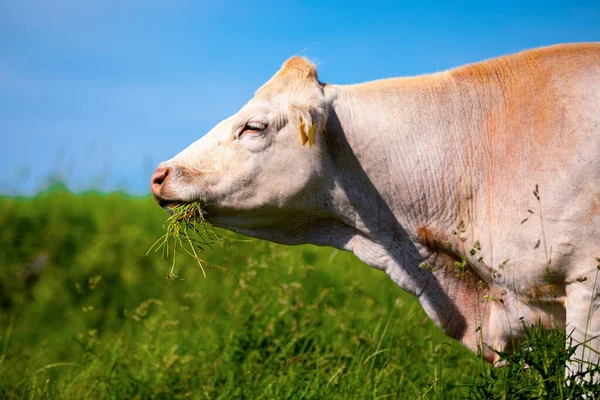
396,186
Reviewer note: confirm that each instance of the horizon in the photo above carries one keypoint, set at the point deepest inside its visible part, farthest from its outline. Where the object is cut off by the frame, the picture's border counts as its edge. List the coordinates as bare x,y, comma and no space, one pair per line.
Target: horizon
96,94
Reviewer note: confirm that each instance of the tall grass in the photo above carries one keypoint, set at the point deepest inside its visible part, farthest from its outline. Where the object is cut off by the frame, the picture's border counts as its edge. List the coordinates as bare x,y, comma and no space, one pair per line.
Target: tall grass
537,370
100,321
84,313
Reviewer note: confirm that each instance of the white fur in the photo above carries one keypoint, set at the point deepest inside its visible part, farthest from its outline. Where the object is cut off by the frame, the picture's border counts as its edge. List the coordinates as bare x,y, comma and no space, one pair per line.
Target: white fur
415,172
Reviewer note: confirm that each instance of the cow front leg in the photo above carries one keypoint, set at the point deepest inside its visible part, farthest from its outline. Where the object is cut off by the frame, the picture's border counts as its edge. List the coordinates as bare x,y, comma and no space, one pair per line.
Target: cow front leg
583,324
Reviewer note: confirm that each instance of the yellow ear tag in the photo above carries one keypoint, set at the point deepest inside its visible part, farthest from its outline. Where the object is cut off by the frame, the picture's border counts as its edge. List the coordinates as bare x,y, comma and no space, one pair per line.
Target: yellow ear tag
302,131
311,135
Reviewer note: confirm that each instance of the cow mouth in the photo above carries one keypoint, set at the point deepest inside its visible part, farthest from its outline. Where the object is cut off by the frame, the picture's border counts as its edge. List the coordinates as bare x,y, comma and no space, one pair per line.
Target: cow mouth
212,212
171,205
167,204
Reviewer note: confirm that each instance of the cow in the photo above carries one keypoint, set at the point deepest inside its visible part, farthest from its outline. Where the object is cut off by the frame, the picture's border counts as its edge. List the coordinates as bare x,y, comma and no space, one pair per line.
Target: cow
476,189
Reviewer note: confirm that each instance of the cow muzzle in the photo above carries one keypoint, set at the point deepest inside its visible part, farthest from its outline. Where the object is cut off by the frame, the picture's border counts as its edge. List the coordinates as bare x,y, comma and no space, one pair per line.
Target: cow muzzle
161,185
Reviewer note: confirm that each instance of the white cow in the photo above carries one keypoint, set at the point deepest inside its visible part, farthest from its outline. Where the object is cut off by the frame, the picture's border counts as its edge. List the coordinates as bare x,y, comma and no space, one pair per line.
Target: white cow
432,180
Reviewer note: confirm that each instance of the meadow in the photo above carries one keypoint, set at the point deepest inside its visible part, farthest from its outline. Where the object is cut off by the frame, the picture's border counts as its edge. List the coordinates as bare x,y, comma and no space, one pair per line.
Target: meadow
85,313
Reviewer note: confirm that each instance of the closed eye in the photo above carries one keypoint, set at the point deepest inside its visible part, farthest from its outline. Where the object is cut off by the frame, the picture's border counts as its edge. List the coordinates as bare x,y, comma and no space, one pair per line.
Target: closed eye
252,128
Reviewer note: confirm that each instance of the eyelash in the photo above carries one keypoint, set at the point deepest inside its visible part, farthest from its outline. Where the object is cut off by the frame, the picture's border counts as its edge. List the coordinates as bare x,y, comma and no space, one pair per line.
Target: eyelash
254,127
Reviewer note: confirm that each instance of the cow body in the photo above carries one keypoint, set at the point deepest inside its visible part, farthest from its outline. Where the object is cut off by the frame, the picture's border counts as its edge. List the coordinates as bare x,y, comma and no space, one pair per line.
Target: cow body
475,189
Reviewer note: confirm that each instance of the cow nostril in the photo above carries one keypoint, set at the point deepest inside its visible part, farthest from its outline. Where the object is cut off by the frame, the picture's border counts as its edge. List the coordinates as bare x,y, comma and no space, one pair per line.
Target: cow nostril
158,178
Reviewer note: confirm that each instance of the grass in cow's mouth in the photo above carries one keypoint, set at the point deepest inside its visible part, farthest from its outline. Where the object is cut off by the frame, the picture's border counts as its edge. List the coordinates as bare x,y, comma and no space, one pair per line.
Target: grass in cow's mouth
187,232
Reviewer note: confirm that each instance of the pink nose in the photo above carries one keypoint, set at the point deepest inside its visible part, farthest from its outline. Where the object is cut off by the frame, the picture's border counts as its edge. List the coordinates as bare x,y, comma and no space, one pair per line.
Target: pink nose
159,177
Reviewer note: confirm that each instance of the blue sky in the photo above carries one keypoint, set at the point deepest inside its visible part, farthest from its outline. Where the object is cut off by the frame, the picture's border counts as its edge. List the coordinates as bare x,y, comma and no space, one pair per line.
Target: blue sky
99,92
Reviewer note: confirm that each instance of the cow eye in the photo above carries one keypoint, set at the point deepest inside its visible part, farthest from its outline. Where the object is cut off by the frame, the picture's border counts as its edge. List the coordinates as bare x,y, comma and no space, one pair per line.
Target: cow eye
253,128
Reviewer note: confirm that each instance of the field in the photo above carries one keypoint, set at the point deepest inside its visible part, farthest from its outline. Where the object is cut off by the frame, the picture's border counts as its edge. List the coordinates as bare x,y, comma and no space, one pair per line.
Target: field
85,313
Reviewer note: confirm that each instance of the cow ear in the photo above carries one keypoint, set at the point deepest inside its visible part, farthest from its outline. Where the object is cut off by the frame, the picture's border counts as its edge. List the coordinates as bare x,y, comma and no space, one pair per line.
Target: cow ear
302,130
310,122
306,130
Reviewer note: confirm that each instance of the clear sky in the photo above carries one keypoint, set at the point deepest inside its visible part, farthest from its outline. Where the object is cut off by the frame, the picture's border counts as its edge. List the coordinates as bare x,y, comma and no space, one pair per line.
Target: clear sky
98,92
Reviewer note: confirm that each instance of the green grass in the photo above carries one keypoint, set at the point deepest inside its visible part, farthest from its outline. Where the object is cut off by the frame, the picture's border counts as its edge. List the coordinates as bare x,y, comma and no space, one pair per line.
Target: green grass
537,371
101,321
186,232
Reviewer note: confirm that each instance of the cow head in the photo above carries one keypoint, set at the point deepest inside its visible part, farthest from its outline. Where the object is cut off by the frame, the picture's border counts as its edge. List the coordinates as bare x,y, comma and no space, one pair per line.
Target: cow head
263,167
